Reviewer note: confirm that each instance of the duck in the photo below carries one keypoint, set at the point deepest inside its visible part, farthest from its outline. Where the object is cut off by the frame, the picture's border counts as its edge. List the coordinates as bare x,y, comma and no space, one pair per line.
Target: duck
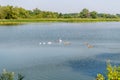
88,45
67,43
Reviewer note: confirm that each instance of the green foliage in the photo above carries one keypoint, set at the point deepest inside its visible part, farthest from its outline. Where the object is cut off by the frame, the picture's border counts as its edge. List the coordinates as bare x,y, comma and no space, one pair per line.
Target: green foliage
113,73
9,76
84,13
22,13
70,15
93,14
36,11
104,15
100,77
11,12
20,77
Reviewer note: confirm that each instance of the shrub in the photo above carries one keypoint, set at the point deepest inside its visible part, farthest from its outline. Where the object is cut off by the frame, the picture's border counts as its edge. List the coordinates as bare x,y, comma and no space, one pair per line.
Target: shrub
113,73
5,75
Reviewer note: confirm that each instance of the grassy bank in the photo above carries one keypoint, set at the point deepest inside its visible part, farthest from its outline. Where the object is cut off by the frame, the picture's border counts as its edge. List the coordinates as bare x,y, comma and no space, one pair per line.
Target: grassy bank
22,21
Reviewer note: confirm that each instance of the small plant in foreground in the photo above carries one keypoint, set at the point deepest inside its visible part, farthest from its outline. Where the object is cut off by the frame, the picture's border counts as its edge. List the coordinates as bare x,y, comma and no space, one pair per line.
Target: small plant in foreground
5,75
113,73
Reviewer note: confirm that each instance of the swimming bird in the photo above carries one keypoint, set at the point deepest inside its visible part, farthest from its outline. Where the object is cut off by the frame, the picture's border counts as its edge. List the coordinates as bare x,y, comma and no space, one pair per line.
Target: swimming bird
60,40
88,45
40,43
49,43
67,43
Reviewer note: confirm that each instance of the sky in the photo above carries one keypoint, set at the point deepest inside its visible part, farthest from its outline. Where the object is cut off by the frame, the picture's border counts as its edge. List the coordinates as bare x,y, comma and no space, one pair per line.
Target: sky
67,6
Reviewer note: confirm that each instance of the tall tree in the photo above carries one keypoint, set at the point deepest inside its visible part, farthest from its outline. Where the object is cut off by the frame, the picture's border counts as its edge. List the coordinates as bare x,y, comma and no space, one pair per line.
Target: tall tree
84,13
36,11
93,14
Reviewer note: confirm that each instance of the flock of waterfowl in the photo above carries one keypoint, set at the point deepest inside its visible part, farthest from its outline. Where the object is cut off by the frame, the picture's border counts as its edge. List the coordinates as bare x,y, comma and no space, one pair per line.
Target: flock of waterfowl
60,41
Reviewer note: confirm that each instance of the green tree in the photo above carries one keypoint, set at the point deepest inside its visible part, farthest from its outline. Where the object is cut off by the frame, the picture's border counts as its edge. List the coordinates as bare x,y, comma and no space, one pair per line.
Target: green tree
11,12
2,15
60,15
23,13
84,13
8,12
36,11
93,14
118,15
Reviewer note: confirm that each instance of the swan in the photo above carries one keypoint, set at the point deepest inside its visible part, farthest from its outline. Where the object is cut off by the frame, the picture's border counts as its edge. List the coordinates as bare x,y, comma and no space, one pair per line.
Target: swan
40,43
60,40
49,43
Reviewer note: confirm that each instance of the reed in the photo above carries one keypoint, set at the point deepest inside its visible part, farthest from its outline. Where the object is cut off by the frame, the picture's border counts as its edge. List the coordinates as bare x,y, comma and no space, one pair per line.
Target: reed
10,23
78,20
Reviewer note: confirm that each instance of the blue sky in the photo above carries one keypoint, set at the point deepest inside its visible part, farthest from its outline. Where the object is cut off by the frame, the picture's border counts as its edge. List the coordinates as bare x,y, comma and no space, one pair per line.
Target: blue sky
67,6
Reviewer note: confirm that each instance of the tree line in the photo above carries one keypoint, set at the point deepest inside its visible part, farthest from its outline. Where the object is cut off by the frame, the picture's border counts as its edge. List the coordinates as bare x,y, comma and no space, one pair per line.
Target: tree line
11,12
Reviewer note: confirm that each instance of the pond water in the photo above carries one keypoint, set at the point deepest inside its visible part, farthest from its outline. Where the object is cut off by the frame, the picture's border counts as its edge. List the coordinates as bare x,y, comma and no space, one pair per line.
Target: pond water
59,51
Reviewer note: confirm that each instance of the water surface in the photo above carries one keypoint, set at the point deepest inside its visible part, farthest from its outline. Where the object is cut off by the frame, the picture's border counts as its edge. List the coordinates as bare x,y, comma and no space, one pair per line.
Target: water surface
22,49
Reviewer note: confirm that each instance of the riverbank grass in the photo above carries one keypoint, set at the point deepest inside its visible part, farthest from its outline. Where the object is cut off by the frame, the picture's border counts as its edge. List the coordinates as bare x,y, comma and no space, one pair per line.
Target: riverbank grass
71,20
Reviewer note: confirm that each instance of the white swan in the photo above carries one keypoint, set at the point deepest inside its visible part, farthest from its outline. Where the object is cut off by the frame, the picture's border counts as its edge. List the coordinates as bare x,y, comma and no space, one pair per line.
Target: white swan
49,43
60,40
40,43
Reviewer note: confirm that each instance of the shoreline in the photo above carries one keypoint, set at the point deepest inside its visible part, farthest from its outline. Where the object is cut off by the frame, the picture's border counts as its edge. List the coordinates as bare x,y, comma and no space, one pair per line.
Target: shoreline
67,20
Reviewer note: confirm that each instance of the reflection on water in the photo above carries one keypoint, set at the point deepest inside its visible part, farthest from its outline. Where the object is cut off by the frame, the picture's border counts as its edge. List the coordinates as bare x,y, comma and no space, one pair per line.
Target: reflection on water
57,51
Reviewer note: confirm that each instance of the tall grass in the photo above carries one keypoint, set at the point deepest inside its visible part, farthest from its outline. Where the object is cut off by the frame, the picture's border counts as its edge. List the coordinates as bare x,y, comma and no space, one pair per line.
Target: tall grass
23,21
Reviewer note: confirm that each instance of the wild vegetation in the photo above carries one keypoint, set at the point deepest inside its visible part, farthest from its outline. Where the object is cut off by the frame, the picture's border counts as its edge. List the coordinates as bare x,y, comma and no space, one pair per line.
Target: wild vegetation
17,15
113,73
11,12
10,76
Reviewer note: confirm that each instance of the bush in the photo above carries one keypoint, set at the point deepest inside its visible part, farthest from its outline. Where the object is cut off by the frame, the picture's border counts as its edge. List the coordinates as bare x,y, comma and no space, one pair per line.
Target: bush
113,73
9,76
